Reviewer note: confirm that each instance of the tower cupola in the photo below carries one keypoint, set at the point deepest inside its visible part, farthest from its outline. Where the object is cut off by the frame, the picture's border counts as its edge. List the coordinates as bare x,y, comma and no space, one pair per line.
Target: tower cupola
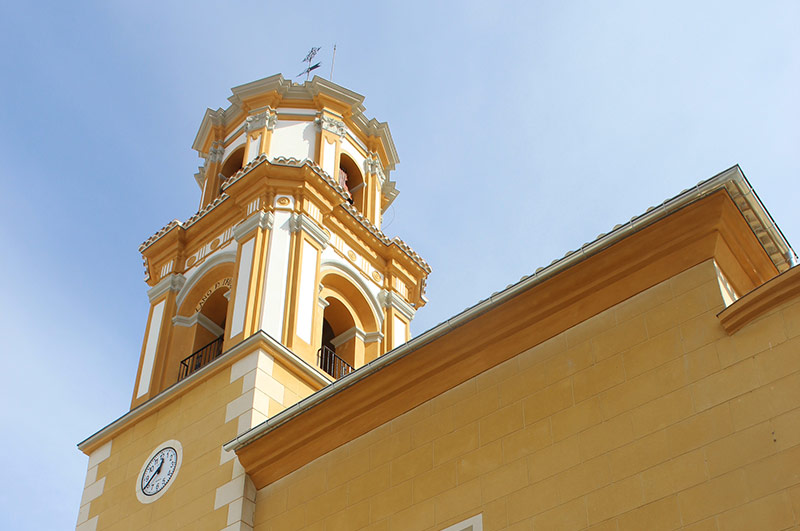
287,243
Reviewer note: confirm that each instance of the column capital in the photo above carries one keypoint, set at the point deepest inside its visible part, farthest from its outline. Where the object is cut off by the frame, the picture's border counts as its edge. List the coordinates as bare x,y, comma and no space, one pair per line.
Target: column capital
172,282
260,219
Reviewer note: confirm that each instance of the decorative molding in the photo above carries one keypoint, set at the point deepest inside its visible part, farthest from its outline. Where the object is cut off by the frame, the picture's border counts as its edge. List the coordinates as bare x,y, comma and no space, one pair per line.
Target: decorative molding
261,219
347,335
216,153
146,268
218,258
359,280
253,205
200,176
173,282
761,300
390,299
372,164
322,302
202,320
261,120
301,222
166,269
390,191
326,123
209,248
373,337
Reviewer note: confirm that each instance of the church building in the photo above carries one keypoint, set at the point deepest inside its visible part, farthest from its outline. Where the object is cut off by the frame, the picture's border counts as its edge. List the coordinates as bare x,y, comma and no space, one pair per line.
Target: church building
649,380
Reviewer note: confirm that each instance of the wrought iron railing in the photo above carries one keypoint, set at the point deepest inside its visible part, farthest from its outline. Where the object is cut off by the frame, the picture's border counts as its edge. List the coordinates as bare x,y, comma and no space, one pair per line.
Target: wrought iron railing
329,362
201,358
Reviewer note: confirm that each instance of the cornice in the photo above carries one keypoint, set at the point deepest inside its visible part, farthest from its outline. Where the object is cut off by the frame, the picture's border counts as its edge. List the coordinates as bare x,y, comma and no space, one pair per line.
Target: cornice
172,282
260,219
185,225
301,222
761,300
332,125
309,91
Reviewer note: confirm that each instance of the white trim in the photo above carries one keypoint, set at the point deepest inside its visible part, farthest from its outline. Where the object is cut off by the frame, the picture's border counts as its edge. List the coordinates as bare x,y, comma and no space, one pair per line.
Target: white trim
153,334
301,222
296,111
173,282
306,291
390,299
201,319
277,273
373,337
347,335
141,496
471,524
215,259
352,273
242,287
262,220
399,331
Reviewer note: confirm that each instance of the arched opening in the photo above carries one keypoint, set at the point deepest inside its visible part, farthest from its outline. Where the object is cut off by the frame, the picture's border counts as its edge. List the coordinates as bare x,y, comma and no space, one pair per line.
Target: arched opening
350,335
209,331
232,164
352,180
337,352
199,326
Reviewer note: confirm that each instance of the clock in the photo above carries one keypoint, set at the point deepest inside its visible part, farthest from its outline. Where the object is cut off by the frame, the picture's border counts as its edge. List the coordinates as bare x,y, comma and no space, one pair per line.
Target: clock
159,471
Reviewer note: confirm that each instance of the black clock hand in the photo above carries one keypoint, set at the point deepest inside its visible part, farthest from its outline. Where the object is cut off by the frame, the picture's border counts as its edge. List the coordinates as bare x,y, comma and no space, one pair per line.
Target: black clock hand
154,473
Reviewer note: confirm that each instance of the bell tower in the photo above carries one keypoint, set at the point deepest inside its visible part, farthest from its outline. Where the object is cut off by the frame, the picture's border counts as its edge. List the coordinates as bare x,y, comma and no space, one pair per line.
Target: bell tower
279,285
287,240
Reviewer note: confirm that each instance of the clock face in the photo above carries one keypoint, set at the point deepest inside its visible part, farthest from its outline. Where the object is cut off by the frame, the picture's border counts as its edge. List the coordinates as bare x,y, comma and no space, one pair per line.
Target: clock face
159,471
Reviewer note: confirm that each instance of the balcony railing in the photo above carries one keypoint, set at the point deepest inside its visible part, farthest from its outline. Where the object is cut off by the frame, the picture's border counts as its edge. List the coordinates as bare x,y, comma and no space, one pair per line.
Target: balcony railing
201,358
329,362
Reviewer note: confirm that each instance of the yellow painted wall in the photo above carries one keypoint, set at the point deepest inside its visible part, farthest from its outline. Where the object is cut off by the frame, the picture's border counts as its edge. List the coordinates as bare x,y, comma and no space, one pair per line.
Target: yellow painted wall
647,416
202,419
197,421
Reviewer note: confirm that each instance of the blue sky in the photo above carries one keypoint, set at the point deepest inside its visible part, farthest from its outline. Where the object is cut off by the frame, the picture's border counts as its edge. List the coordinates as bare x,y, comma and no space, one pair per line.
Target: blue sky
524,130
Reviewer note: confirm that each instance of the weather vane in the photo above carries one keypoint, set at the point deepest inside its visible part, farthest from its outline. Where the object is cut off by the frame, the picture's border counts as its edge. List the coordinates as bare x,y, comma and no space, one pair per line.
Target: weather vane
308,60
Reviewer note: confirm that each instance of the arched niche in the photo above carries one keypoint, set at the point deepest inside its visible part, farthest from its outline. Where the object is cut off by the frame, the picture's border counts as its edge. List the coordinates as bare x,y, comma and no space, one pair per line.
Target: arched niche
352,179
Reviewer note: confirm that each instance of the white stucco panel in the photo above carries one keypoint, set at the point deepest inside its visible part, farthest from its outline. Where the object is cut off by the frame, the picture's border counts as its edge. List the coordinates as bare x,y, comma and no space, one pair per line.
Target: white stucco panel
400,330
295,139
242,287
276,276
308,281
329,159
153,333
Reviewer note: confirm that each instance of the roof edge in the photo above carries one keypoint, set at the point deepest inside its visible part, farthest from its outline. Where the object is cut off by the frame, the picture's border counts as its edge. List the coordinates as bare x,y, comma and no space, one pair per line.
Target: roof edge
732,177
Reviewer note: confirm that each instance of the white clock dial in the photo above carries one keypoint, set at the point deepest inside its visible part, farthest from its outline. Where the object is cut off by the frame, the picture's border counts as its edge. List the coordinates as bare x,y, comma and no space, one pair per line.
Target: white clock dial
159,471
